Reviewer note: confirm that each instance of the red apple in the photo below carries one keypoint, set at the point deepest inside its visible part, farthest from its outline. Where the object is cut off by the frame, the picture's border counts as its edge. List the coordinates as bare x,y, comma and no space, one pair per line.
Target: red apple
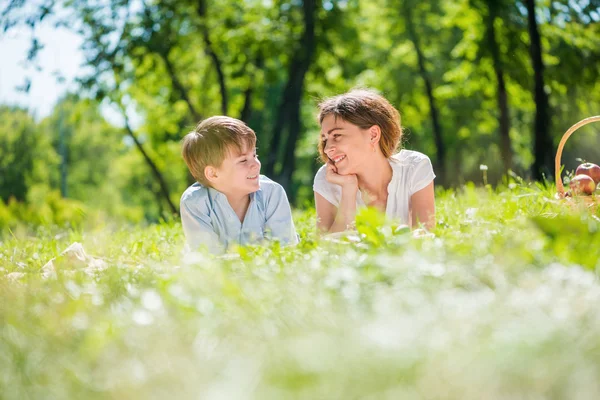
589,169
582,184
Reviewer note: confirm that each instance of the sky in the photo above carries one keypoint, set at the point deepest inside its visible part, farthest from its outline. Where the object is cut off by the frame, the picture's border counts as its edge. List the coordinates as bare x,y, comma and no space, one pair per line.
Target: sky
61,54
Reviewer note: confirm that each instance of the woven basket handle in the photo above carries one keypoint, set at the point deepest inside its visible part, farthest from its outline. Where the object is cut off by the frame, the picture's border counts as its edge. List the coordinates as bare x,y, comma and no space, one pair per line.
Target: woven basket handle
559,184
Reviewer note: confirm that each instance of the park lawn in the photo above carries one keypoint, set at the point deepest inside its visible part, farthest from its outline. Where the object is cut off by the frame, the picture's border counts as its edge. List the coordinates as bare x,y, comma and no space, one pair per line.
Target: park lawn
501,303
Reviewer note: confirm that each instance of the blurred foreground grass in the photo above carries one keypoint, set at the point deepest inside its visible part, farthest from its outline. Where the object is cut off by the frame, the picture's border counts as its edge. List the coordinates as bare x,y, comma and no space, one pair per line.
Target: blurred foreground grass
501,303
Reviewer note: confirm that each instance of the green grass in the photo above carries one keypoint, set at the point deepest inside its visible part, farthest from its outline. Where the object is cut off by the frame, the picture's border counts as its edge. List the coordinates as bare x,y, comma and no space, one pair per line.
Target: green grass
501,303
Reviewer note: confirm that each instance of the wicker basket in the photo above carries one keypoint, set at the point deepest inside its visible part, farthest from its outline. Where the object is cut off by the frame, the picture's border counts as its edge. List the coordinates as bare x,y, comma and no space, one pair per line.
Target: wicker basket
560,188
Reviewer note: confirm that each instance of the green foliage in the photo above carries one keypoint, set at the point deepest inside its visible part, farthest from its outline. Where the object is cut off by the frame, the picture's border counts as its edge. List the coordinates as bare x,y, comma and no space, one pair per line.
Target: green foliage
505,288
26,155
92,146
48,208
78,145
574,238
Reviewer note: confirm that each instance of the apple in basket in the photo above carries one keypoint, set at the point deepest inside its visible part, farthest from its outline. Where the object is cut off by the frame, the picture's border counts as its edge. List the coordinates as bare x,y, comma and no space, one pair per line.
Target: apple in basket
582,184
589,169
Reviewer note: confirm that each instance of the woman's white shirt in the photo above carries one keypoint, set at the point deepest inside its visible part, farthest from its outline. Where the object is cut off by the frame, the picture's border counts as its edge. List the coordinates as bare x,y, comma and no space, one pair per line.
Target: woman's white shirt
411,172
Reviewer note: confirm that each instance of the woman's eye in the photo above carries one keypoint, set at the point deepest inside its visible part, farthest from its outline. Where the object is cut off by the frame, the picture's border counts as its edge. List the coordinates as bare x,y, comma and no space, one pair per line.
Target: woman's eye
336,136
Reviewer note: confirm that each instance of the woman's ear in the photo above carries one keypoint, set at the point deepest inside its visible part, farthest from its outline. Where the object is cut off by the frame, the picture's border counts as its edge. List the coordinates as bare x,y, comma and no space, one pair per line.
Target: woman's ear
210,173
374,134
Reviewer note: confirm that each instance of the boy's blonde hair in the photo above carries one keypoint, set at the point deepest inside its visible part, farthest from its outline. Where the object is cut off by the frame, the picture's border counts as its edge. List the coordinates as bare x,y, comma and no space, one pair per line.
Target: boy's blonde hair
210,142
365,108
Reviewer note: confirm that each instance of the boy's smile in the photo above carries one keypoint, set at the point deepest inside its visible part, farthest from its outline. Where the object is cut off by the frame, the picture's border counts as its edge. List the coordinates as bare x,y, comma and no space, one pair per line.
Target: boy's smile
239,173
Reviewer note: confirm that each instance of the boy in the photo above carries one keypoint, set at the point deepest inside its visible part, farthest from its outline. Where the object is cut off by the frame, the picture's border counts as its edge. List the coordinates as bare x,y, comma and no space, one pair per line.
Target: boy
230,202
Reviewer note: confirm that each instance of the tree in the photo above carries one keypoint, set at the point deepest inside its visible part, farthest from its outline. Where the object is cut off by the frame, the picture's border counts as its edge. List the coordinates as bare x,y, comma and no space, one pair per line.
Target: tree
289,108
413,35
26,156
452,68
502,96
543,147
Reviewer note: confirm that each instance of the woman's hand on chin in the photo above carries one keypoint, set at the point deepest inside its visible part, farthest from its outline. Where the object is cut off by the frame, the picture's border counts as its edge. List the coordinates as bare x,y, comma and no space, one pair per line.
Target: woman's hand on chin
345,181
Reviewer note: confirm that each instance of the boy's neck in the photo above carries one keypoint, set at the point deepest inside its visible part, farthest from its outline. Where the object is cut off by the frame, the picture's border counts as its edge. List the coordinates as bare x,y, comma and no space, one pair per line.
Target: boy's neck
239,204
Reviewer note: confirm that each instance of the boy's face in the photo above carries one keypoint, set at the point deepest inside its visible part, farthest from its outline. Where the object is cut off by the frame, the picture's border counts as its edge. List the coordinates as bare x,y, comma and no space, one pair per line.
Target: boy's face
238,174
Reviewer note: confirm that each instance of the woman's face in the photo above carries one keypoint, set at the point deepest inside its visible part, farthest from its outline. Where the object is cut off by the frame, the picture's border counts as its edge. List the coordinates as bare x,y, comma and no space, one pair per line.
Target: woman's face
346,145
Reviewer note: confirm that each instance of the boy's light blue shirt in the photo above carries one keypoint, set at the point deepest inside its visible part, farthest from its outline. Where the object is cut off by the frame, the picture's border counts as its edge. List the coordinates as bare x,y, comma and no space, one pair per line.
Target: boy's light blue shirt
208,219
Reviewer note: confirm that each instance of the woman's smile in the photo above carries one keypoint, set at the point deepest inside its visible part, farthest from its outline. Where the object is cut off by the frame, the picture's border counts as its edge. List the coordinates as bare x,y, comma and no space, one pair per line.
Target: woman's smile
337,159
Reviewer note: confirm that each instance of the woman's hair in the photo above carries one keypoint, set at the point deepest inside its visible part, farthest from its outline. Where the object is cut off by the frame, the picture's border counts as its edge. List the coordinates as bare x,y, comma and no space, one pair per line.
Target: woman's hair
364,108
210,141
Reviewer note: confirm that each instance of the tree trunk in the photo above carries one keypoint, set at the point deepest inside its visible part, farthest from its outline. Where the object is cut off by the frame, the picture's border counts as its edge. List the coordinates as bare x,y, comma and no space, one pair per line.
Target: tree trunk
289,108
163,48
247,109
179,87
211,53
289,159
63,150
543,147
282,113
246,112
437,128
164,190
504,117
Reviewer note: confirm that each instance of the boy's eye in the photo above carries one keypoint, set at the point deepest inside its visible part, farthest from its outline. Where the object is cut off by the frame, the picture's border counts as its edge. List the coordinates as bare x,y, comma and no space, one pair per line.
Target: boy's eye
336,135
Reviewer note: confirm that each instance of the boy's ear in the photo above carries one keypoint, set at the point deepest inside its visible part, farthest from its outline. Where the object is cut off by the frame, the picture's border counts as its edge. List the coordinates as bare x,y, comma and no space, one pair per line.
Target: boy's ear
210,173
374,133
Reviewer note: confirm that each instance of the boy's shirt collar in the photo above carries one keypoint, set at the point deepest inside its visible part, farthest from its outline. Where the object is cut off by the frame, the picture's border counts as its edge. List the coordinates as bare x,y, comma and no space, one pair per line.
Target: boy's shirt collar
215,194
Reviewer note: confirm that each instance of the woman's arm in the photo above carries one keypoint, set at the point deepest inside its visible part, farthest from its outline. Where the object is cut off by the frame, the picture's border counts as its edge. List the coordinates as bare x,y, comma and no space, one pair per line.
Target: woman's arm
422,207
332,219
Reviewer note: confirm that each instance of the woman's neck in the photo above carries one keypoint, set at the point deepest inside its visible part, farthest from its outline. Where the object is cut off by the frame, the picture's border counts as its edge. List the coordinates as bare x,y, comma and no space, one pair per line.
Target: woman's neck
375,178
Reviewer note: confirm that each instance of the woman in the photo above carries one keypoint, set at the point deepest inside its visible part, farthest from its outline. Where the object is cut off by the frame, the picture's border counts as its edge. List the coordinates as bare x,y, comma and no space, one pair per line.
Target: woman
360,132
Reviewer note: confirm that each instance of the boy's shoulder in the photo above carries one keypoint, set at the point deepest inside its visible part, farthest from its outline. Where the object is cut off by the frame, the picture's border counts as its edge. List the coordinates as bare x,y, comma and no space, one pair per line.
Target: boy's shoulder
269,187
194,193
267,182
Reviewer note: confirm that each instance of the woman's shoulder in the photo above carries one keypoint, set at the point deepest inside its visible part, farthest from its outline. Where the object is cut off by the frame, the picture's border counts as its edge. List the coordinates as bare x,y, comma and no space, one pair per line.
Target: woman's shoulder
414,168
320,176
328,190
409,157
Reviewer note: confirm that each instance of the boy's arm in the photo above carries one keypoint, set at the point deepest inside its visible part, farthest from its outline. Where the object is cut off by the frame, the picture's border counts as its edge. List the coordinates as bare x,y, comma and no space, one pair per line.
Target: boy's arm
198,229
279,224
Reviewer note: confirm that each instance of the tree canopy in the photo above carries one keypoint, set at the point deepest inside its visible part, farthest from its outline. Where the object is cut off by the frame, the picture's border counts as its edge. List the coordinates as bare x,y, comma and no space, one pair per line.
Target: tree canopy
476,82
